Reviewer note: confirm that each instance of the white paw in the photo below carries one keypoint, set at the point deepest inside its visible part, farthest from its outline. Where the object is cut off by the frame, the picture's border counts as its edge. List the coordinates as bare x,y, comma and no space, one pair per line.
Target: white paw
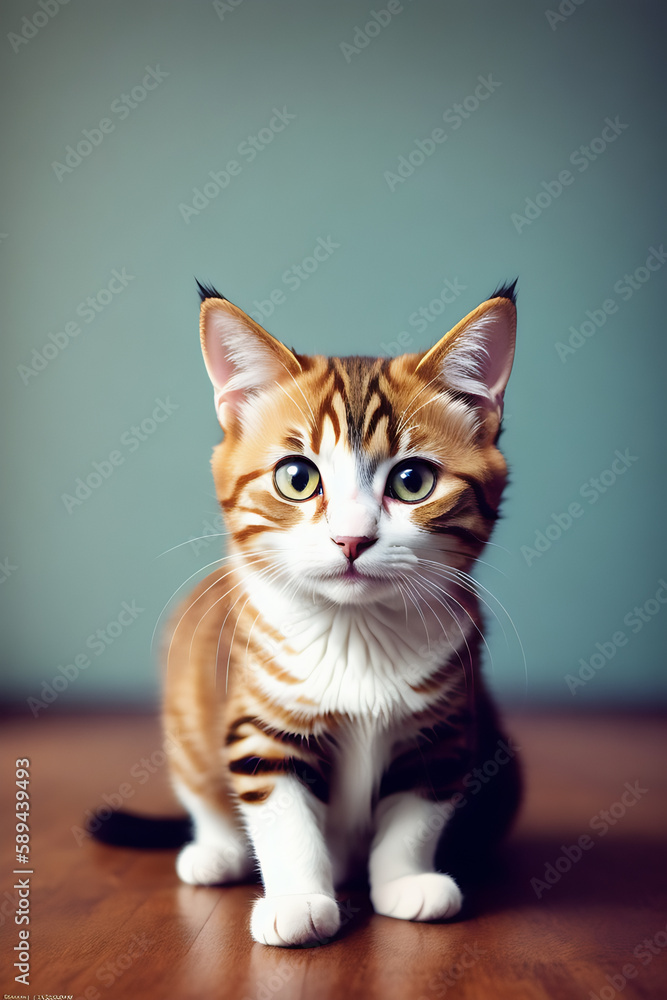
211,864
428,896
300,919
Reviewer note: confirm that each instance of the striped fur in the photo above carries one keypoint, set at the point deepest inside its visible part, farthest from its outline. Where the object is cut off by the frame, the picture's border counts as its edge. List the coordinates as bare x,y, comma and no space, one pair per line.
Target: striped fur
322,687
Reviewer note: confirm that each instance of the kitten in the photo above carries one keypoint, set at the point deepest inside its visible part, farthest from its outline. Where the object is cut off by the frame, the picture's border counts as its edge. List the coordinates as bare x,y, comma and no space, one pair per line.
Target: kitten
323,696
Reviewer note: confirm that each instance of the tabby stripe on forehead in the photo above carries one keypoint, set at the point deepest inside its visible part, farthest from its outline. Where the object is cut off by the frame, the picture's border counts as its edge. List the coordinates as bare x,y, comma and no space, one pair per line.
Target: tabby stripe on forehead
353,429
351,377
383,409
326,408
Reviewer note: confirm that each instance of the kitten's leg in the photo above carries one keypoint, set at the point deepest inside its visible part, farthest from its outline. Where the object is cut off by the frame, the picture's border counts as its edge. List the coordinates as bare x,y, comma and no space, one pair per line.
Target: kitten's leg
403,881
299,906
219,852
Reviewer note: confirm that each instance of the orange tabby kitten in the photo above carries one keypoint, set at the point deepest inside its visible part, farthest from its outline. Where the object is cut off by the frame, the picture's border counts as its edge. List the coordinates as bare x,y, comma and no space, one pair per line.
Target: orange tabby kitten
323,687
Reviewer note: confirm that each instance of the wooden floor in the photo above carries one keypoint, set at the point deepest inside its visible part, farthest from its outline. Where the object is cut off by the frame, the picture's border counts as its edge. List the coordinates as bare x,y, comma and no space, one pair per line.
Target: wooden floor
111,923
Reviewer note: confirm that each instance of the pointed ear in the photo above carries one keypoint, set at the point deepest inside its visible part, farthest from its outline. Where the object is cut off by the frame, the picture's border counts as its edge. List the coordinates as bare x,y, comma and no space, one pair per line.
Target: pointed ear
241,358
476,356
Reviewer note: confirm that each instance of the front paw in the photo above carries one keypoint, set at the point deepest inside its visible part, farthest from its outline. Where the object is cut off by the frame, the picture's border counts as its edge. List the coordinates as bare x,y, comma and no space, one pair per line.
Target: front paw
308,918
426,896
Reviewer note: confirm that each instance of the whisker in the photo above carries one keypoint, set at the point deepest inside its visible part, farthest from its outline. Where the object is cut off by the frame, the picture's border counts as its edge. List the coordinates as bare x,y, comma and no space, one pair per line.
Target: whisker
240,583
461,630
435,590
259,613
196,573
188,541
302,393
466,555
180,587
453,649
263,572
419,610
292,400
475,587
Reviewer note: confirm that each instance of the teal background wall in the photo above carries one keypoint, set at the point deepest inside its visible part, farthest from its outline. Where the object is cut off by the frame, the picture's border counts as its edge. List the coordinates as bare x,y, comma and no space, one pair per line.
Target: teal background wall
76,377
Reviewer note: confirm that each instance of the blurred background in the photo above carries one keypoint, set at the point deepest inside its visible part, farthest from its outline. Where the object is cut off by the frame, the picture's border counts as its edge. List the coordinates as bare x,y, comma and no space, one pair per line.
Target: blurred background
358,177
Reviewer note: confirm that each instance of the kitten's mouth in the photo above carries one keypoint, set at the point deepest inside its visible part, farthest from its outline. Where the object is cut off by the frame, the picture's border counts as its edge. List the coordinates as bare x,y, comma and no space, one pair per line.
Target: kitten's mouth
350,585
352,574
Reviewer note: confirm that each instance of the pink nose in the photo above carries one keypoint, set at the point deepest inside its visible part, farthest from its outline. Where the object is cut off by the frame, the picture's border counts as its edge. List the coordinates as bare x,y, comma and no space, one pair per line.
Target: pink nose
353,547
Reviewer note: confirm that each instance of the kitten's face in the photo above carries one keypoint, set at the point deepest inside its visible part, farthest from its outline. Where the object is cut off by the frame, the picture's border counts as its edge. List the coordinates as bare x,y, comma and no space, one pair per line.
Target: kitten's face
355,479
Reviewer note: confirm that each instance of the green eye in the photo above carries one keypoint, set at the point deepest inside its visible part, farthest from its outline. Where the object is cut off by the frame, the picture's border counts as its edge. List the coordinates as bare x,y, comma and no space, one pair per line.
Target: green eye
411,481
297,479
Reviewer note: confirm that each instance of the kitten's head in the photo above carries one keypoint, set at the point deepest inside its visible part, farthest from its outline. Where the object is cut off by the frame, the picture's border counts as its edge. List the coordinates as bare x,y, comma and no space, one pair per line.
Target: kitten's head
350,479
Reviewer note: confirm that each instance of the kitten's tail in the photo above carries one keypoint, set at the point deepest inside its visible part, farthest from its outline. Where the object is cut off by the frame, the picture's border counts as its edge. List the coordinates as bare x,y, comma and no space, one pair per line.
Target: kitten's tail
126,829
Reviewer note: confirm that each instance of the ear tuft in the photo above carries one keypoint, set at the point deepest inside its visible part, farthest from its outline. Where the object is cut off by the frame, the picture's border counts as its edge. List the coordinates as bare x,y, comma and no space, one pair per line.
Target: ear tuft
506,291
208,292
476,357
241,358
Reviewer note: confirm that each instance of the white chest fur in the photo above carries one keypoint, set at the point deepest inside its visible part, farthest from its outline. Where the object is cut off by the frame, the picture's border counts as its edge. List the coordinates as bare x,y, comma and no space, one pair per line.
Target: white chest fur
362,753
360,662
